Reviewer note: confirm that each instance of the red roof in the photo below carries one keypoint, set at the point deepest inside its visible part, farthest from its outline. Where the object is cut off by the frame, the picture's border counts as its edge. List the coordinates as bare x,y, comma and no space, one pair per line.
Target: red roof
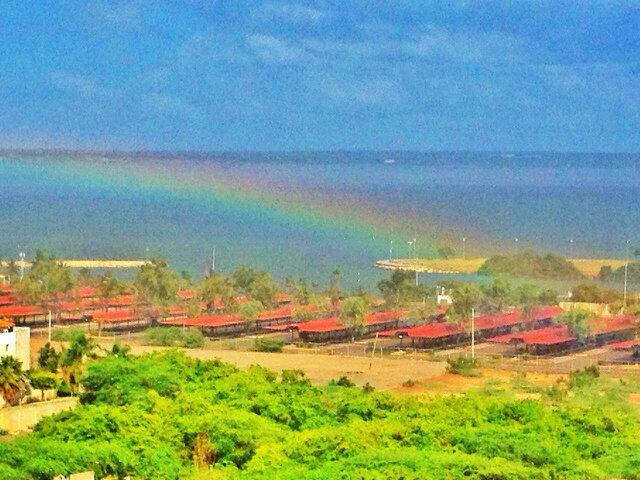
615,323
282,297
86,292
334,323
185,294
13,311
560,334
485,322
114,316
628,345
7,300
277,314
120,301
206,321
542,336
6,288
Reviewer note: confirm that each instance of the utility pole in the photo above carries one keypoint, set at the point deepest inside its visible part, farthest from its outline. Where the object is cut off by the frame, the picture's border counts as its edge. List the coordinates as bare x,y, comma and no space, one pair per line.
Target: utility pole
571,249
49,320
516,242
22,256
213,260
626,277
464,241
473,333
391,250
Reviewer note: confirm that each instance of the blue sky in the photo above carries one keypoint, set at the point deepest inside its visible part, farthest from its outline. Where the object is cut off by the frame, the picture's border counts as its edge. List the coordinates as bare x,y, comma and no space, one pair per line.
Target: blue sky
282,75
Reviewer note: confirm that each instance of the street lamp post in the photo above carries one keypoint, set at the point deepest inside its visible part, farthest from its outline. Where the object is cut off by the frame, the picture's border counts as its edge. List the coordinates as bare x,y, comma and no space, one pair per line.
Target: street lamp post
571,248
626,277
516,242
464,241
473,333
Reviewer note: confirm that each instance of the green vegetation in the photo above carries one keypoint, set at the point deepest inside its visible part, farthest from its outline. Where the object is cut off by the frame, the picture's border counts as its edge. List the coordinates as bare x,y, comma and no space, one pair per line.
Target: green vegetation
352,312
463,366
256,284
531,265
607,274
12,379
164,416
173,337
576,321
268,344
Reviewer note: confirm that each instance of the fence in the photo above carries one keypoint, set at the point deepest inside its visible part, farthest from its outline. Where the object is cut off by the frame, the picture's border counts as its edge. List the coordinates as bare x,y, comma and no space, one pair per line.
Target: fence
21,418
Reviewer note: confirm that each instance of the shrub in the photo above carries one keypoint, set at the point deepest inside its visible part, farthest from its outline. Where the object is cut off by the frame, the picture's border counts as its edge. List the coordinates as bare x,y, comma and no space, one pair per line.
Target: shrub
584,377
174,337
462,366
343,381
66,334
266,344
43,380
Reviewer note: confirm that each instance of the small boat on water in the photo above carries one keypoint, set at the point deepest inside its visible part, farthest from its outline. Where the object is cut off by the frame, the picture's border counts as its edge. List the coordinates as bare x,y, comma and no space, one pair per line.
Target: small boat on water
389,161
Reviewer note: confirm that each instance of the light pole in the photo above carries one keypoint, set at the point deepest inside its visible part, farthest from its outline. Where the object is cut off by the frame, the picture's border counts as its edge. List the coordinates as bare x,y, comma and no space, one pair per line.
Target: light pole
464,241
626,276
571,248
516,242
391,250
473,333
22,256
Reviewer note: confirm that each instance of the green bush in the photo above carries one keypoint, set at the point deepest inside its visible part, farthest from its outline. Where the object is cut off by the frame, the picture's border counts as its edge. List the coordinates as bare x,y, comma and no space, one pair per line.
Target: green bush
268,344
60,334
531,265
462,366
43,380
166,416
174,337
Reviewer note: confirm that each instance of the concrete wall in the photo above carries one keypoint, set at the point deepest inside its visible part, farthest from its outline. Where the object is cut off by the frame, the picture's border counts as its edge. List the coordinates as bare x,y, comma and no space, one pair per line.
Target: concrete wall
23,417
17,344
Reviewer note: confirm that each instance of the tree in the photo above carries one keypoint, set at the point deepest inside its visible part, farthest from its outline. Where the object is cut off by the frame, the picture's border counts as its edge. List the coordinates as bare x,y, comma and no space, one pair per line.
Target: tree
587,292
300,290
398,289
48,358
109,286
156,284
43,380
50,275
334,291
497,295
576,321
423,312
220,288
527,296
352,312
73,356
548,296
84,276
249,311
258,285
446,252
465,296
12,378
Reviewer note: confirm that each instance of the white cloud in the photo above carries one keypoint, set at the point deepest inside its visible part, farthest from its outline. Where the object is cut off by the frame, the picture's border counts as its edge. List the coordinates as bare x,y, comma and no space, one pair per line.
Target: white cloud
80,85
273,50
291,12
121,14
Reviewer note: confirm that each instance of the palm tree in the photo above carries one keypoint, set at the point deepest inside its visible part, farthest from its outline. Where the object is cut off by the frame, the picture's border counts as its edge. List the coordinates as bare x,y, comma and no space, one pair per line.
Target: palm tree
12,379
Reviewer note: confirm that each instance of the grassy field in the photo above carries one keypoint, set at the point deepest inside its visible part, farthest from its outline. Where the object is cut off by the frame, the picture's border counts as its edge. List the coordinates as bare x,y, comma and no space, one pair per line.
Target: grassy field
588,266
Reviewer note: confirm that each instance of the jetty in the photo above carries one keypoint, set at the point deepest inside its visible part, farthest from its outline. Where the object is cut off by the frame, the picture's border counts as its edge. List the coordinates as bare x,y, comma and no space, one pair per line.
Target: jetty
88,263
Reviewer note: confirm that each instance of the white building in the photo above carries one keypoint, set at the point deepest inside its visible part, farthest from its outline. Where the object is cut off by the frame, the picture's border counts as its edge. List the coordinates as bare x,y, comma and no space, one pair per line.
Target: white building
16,342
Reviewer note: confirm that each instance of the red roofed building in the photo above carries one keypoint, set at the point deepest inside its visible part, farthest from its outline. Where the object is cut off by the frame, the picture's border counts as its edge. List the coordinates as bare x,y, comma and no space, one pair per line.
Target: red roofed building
440,334
600,331
124,319
332,329
22,314
7,300
213,325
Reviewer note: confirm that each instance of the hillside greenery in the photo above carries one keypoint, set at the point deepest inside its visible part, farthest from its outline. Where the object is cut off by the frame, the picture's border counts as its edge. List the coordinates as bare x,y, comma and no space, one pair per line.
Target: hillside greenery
531,265
165,416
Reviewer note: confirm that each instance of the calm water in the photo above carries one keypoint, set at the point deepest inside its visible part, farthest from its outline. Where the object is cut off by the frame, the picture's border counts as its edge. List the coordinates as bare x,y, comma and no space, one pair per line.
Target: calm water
307,214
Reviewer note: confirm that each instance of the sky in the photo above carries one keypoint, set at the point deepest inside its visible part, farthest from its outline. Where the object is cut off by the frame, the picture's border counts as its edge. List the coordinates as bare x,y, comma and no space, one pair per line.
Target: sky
328,75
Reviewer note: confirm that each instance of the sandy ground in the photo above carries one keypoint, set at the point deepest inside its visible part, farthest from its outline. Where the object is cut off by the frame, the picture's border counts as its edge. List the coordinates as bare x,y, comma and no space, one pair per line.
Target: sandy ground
382,373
